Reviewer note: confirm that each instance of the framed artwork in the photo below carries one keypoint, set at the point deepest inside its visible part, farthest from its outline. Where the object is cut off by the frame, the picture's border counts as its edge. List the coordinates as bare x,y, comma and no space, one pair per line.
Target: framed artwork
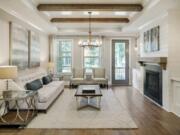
145,41
155,39
34,49
151,40
18,46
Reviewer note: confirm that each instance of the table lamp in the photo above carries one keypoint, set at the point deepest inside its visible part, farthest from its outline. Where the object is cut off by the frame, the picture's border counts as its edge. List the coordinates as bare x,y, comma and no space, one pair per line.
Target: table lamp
51,67
8,72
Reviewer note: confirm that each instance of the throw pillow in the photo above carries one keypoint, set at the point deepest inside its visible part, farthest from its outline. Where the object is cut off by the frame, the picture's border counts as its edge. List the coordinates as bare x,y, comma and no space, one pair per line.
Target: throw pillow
46,79
34,85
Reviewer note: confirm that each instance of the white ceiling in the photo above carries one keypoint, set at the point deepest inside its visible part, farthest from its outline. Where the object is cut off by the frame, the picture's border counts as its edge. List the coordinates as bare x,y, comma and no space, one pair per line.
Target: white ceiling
26,11
90,1
80,14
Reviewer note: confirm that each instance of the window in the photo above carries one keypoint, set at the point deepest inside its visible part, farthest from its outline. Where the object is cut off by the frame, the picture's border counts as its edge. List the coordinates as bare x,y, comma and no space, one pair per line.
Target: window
91,57
64,55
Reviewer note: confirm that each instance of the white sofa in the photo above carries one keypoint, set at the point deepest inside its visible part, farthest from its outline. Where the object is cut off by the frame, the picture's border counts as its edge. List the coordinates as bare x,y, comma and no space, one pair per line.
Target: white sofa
47,94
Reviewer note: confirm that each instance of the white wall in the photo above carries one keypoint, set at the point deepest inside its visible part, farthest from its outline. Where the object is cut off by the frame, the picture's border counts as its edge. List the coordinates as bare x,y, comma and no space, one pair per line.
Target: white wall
4,43
174,43
174,60
162,21
4,50
107,55
44,53
4,46
77,52
170,48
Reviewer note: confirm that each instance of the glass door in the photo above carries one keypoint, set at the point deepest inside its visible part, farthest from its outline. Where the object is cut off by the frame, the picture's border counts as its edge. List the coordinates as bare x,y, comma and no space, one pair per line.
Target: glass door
120,62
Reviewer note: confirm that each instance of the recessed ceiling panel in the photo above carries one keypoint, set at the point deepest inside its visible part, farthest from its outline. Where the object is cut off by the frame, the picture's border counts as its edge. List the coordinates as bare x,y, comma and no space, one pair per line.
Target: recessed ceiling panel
90,1
81,14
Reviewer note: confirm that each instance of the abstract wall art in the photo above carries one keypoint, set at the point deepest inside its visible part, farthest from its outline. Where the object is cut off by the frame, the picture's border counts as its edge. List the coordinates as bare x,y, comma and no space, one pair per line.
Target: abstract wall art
34,49
152,40
18,46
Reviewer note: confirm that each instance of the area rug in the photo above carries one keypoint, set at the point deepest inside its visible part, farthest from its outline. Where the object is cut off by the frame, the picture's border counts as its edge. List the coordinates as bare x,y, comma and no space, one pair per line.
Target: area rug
64,114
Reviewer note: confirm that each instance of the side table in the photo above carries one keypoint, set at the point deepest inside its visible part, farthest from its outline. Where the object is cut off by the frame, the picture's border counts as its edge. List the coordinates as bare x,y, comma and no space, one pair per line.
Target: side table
17,107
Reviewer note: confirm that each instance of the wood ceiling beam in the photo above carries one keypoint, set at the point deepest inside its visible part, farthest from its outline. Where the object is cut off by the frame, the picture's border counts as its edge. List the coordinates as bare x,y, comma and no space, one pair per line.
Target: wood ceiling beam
90,7
86,20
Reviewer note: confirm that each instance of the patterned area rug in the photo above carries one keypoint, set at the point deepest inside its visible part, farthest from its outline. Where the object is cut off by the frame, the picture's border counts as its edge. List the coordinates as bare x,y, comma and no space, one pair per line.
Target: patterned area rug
64,114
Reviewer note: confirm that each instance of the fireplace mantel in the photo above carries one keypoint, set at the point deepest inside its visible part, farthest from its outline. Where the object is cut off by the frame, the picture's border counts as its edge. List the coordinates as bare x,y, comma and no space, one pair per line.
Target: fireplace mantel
162,61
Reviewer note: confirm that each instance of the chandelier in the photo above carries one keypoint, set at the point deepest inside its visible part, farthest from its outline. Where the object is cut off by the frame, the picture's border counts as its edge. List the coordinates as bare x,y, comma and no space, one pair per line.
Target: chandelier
90,42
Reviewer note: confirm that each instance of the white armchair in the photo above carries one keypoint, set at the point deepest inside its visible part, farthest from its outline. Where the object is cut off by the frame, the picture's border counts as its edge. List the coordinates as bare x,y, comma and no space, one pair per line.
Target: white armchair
99,76
77,76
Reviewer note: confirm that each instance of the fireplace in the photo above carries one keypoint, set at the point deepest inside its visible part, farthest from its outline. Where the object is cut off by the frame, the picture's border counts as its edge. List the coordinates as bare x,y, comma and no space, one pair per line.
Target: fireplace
153,82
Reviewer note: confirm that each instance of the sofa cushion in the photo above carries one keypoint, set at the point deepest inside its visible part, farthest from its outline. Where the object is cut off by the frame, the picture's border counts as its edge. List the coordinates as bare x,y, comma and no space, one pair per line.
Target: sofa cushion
47,92
46,79
55,84
99,72
34,85
78,73
77,79
100,80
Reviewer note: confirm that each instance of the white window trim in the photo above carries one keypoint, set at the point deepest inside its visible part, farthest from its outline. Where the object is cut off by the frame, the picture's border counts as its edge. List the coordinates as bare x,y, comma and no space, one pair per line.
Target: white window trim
100,57
63,39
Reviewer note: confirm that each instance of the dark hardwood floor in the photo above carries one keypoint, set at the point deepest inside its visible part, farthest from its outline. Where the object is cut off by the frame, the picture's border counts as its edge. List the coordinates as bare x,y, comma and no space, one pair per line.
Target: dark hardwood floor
150,119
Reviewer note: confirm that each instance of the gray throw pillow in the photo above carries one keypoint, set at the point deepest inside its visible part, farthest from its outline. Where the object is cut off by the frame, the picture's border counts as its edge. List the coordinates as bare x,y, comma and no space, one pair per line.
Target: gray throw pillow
34,85
46,79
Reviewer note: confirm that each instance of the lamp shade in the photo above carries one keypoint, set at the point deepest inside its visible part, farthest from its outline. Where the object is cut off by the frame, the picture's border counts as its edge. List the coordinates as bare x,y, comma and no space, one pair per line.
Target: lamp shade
51,65
8,72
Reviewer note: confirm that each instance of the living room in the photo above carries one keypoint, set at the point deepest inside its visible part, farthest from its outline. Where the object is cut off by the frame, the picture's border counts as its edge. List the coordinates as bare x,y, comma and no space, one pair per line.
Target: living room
89,67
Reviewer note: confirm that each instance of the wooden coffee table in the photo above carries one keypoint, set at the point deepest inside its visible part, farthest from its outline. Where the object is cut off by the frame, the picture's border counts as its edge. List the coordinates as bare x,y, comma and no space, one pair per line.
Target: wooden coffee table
87,99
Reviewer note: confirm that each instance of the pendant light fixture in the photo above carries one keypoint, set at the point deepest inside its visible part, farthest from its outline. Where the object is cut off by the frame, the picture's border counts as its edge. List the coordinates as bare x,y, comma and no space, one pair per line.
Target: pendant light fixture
90,42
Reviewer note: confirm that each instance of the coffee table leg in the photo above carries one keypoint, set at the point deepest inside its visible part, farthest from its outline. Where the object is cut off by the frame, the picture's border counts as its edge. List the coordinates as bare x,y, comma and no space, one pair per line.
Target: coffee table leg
88,100
78,101
98,102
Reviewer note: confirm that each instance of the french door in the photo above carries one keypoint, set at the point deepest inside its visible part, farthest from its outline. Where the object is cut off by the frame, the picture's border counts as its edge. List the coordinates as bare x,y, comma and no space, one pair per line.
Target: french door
120,62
